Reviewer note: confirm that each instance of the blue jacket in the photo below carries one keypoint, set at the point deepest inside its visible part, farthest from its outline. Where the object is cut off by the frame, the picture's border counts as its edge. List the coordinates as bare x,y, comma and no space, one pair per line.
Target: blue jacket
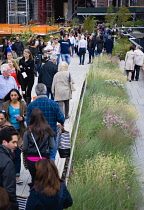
39,201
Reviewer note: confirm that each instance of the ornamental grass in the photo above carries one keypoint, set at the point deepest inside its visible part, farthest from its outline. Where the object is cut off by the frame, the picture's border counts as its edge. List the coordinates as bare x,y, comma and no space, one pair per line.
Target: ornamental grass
103,176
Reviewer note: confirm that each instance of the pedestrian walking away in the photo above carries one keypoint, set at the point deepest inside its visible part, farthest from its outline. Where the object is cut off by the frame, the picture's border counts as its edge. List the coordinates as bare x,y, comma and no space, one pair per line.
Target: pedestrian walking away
82,47
49,191
129,63
50,110
44,137
139,61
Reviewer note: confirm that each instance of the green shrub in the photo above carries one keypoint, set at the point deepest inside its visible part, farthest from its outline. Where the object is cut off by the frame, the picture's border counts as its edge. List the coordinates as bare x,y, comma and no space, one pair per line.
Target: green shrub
103,176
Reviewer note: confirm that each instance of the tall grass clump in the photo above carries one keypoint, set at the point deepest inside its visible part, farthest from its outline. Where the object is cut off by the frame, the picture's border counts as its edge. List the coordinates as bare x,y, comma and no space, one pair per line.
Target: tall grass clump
103,176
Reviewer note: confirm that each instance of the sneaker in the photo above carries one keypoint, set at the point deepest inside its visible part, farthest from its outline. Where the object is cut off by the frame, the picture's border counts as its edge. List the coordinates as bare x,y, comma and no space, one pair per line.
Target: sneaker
19,181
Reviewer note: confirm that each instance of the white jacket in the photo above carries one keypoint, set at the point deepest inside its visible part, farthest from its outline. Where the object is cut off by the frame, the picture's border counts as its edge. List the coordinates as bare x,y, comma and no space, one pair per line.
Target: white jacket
139,58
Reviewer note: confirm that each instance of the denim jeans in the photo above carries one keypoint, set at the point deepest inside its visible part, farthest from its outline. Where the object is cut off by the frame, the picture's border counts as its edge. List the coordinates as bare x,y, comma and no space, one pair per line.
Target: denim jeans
58,59
53,151
72,46
66,57
38,62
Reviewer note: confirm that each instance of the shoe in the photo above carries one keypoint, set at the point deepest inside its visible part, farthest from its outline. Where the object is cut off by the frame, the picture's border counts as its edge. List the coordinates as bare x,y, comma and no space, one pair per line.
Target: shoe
129,80
82,63
66,117
136,80
19,181
89,63
79,63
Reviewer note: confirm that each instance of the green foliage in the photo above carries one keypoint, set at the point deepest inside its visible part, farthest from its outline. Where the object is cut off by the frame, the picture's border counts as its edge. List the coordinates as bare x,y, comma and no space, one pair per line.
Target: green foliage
75,22
110,17
123,15
89,24
134,23
121,47
103,176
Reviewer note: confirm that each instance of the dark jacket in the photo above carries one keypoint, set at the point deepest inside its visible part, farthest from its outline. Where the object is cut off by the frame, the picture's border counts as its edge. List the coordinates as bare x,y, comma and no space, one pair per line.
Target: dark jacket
39,201
7,175
99,45
109,45
34,51
27,67
91,44
48,70
44,146
18,47
20,79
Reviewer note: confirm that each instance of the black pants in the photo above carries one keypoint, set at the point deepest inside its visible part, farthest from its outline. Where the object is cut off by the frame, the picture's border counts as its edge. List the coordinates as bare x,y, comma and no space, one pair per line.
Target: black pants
82,52
64,107
28,83
32,170
137,71
91,54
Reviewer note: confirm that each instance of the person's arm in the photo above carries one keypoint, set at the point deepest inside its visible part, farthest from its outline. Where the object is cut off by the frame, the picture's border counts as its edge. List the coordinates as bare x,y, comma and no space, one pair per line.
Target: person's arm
9,183
66,197
25,141
36,45
29,110
20,80
51,143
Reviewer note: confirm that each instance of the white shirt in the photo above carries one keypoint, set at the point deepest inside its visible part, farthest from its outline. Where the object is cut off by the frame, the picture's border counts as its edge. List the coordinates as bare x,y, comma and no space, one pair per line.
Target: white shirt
82,44
72,39
56,49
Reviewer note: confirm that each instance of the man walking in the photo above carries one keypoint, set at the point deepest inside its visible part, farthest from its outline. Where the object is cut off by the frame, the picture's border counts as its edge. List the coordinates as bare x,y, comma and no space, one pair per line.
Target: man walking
7,82
8,143
48,70
66,50
18,47
50,110
139,61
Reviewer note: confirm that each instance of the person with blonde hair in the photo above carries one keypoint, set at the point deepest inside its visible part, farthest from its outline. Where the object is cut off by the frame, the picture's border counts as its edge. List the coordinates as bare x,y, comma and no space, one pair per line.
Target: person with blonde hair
27,67
16,73
49,191
61,88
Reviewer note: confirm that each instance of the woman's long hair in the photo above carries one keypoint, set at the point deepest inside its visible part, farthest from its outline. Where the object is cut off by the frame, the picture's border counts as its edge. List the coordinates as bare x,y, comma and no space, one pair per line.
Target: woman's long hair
39,124
4,199
14,63
47,177
7,97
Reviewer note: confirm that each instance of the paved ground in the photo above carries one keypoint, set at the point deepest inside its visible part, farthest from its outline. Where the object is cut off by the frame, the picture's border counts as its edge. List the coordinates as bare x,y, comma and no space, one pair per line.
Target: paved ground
136,93
78,73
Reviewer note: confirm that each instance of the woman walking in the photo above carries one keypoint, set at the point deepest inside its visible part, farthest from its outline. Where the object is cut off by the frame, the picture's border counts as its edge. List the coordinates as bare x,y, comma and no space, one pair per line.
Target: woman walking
16,73
49,192
16,111
129,62
40,132
61,88
27,66
56,49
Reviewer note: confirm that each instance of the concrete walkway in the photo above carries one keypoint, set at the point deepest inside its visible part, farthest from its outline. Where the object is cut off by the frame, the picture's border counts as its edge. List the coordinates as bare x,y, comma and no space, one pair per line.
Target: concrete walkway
136,93
78,73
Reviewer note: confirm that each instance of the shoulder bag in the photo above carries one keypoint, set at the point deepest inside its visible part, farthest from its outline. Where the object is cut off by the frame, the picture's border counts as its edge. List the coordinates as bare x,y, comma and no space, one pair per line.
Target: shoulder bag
71,84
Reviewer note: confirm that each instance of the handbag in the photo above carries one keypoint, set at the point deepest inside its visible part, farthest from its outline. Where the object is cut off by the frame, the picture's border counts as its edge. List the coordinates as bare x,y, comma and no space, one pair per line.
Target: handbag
63,141
71,84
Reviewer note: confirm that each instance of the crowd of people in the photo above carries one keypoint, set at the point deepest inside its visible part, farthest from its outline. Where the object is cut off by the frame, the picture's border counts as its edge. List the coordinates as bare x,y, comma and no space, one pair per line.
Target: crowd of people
30,127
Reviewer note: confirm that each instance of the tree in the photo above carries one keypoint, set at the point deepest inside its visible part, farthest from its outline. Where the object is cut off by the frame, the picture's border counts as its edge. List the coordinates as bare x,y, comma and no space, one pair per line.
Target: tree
111,16
123,15
89,24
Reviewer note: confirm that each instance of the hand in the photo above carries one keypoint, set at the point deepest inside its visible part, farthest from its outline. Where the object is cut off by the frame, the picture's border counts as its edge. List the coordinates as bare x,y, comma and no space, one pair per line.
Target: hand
71,54
20,66
23,92
19,118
